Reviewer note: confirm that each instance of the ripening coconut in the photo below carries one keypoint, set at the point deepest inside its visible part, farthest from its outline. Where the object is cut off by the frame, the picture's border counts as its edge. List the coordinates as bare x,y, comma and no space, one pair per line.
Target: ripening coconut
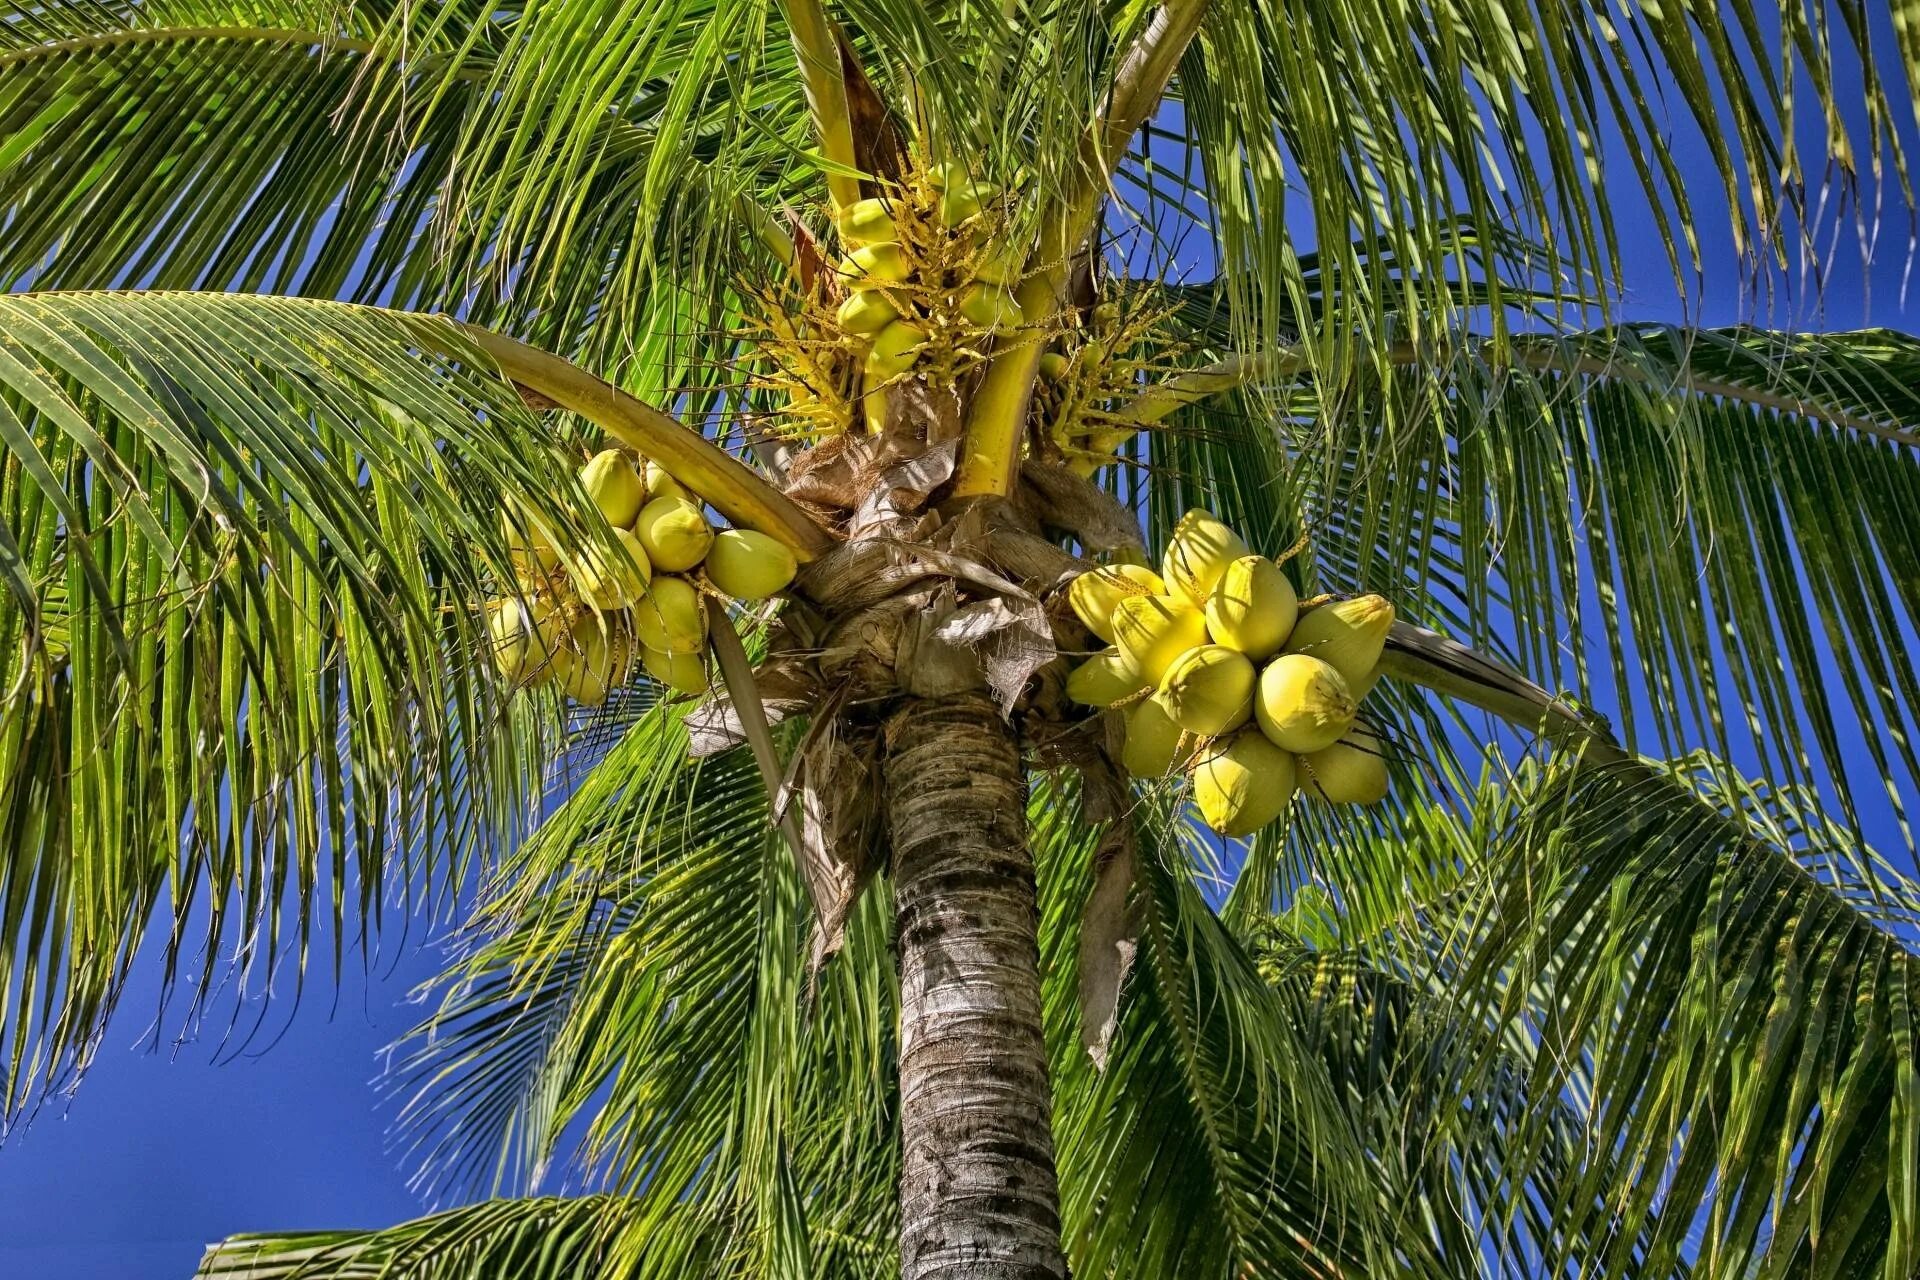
1053,366
671,617
1242,783
1347,635
748,565
874,266
660,484
991,307
867,222
1252,607
867,311
674,532
1208,690
615,486
1095,594
1151,631
1302,703
681,672
1153,741
511,635
1104,679
601,660
963,200
1351,771
528,546
616,581
1197,556
894,350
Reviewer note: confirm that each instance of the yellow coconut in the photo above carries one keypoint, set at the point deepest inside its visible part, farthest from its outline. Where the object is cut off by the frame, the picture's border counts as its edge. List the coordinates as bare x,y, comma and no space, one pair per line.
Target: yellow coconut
874,266
660,484
1252,607
512,638
681,672
1153,742
991,307
1151,631
674,532
1302,703
1103,680
894,350
616,581
615,486
1095,594
1197,556
1242,783
671,617
528,545
964,200
748,565
600,662
1053,366
867,222
867,311
1208,690
1348,635
1351,771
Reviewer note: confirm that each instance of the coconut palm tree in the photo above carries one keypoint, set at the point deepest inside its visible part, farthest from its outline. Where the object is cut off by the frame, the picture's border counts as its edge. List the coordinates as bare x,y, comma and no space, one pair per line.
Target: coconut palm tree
874,959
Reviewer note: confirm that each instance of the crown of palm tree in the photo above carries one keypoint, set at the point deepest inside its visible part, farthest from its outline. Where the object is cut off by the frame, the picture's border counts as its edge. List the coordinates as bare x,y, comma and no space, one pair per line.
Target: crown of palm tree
303,297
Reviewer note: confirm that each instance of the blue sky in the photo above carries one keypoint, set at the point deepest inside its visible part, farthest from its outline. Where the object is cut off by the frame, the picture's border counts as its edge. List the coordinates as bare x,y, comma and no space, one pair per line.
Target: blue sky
166,1148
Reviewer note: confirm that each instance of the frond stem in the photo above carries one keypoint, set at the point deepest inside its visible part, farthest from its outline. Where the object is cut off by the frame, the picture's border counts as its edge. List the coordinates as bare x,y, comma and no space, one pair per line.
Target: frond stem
819,54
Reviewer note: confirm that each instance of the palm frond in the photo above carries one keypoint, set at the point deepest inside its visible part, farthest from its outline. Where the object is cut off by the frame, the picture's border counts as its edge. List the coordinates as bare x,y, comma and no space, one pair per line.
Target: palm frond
1728,994
246,541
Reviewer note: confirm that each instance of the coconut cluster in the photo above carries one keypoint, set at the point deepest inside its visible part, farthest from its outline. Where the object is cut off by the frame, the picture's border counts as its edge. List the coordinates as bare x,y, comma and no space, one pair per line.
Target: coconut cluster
1217,669
580,621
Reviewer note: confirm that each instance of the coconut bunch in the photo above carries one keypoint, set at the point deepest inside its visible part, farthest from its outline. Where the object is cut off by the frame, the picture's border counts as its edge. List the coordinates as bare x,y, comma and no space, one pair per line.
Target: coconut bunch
1094,370
928,272
1216,669
581,621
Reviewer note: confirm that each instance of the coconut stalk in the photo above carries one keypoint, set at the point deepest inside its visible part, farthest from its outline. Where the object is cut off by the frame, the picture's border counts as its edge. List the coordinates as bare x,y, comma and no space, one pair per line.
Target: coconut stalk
990,449
819,55
733,488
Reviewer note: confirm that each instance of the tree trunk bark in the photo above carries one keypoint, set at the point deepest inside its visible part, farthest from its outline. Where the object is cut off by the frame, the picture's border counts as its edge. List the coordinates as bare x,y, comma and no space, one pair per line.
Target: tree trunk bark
978,1199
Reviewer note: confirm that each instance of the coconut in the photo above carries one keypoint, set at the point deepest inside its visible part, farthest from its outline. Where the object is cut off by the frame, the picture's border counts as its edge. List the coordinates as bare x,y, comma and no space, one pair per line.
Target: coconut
1351,771
616,581
1252,607
662,485
600,662
681,672
1095,594
1003,264
1103,680
1208,690
873,266
674,532
867,222
991,307
894,350
867,311
1302,703
1053,366
1347,635
1152,746
963,200
748,565
1242,783
1197,556
528,546
671,617
512,639
614,485
1151,631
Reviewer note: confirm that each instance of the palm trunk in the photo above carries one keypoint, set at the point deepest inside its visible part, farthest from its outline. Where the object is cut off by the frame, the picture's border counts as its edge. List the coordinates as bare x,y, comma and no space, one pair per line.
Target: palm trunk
977,1194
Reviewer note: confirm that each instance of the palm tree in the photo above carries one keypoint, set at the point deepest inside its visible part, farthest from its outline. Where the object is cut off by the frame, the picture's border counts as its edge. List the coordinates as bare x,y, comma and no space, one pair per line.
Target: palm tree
874,961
